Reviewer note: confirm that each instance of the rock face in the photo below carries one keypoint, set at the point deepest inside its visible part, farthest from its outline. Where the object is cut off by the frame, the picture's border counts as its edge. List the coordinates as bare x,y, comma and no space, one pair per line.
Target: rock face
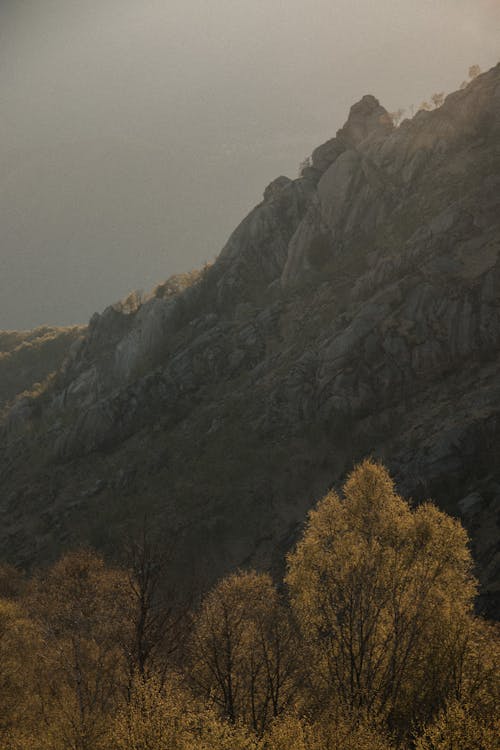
355,311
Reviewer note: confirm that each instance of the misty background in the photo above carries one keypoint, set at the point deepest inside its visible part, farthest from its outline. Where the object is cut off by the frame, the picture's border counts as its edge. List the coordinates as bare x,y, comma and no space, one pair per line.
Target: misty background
136,134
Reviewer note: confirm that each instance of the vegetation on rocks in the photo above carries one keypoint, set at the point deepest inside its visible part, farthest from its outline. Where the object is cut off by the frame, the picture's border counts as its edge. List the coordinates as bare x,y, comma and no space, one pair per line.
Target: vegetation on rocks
29,358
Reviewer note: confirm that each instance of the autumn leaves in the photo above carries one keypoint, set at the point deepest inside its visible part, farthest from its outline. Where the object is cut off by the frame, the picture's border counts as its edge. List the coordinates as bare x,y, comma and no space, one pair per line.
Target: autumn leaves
370,642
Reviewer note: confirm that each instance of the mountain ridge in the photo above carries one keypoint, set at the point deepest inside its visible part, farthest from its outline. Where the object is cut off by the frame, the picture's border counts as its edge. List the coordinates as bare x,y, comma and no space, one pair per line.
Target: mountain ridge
355,311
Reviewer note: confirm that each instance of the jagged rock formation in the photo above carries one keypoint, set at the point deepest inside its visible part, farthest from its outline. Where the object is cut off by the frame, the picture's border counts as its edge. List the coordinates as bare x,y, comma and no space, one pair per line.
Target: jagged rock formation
355,311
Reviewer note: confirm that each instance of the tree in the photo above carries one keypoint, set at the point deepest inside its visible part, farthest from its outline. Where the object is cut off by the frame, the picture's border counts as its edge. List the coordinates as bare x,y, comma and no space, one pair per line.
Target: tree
242,652
474,71
155,717
78,607
438,99
383,596
164,716
155,617
470,717
326,733
456,726
19,647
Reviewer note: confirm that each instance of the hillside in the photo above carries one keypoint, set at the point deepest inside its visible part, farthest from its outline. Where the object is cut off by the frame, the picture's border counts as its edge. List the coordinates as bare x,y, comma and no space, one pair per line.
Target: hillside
28,358
354,312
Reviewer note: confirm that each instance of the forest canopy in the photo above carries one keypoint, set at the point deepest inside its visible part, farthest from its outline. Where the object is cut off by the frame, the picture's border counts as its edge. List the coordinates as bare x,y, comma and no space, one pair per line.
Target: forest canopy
370,642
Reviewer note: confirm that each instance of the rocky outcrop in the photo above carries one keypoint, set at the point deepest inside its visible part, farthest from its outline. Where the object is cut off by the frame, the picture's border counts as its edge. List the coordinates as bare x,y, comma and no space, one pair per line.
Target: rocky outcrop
256,252
354,312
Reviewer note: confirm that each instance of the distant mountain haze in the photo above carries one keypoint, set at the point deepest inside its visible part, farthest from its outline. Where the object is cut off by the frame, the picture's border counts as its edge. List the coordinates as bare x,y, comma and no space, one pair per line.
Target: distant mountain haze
135,136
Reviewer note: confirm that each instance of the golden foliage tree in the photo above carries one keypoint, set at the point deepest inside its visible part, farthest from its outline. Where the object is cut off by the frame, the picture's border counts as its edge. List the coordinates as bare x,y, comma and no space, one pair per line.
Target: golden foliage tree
154,718
242,653
155,617
78,607
383,596
325,733
19,647
470,717
164,716
390,653
457,727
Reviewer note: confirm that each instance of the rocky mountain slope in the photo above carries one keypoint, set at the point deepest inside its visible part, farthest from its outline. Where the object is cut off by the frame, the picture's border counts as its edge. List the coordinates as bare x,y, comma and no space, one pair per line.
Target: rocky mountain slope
354,312
28,358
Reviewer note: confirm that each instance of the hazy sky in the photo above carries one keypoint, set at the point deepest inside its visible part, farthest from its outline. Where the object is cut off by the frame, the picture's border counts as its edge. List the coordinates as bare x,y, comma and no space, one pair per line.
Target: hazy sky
136,134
